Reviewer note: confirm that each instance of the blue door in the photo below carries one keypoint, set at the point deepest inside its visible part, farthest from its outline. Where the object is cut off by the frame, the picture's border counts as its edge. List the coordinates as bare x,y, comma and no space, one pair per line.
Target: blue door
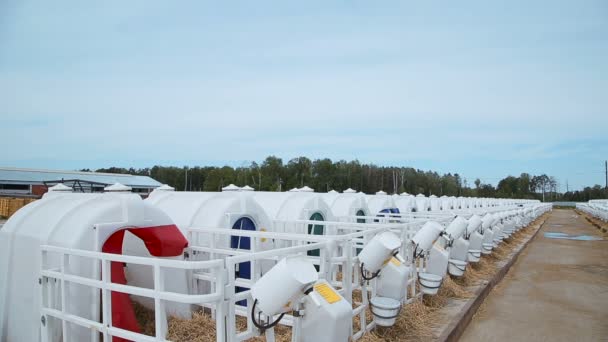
360,213
315,229
242,242
383,211
360,220
394,211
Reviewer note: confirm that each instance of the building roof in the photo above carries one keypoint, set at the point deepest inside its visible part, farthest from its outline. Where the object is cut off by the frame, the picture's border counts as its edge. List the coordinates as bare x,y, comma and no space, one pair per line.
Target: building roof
9,175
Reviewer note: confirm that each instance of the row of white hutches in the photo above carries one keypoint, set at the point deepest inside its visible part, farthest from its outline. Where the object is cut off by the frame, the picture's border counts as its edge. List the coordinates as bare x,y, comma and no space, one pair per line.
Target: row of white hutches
597,208
75,261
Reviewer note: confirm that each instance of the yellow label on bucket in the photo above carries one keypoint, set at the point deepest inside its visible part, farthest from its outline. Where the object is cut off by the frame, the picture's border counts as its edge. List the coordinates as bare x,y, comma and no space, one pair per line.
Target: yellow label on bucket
395,261
327,293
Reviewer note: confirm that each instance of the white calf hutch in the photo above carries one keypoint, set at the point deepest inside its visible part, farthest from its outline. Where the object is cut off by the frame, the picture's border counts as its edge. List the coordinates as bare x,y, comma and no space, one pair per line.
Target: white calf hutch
422,203
282,207
347,204
405,202
39,236
381,204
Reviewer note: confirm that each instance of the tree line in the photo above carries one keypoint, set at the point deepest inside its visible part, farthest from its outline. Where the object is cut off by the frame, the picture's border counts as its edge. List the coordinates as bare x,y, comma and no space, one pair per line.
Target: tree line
273,174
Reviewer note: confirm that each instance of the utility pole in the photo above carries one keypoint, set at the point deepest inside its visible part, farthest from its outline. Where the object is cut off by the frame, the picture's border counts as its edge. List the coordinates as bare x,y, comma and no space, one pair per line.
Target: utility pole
544,184
606,170
186,180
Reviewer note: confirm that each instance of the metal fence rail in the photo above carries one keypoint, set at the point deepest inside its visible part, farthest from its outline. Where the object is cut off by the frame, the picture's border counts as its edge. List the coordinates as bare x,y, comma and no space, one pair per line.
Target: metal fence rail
211,263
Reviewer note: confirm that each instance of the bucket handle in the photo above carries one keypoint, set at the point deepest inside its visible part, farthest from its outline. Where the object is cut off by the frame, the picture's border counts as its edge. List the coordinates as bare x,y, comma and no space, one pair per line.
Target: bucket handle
458,267
430,287
371,308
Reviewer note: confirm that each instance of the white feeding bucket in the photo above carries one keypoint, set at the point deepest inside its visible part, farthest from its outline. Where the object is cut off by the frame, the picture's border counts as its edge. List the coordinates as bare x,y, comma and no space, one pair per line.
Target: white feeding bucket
497,234
475,238
429,283
488,234
487,247
457,267
385,310
458,257
475,246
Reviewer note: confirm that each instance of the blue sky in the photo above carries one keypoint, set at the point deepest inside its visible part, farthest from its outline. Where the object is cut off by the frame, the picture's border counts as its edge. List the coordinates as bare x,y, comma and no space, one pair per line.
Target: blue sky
482,88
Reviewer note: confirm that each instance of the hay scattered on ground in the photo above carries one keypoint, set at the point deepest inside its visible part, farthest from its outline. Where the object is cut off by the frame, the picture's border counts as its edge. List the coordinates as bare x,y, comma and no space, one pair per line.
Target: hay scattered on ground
474,274
500,252
357,300
281,334
599,224
451,289
415,323
485,268
201,328
145,319
436,301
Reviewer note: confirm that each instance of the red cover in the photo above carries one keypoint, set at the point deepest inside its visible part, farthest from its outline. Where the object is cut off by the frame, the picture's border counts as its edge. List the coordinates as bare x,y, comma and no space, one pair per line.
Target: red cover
161,241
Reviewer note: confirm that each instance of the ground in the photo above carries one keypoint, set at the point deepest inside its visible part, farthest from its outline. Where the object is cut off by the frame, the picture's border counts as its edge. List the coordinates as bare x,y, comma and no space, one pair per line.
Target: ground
556,291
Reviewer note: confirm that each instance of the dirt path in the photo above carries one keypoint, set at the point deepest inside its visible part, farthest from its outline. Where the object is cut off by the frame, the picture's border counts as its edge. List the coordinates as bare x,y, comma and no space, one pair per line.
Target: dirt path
556,291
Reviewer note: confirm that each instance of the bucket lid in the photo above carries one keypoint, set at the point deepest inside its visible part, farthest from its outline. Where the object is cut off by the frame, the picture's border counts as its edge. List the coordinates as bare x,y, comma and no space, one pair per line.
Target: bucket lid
385,303
429,277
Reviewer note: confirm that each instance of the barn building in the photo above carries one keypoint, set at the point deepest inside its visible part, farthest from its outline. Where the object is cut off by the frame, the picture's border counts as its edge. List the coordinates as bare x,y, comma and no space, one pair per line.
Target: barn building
19,182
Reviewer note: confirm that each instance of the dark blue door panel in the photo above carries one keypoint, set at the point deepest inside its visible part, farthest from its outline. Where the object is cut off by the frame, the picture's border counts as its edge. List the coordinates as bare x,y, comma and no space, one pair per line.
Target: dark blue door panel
242,242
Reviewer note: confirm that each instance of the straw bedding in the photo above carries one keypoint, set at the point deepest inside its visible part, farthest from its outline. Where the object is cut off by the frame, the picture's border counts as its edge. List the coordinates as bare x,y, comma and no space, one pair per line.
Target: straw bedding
599,224
415,323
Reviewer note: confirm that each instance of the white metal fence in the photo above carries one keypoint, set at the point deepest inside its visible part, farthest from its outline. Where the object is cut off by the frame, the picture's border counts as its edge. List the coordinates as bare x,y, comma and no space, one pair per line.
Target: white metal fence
211,264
